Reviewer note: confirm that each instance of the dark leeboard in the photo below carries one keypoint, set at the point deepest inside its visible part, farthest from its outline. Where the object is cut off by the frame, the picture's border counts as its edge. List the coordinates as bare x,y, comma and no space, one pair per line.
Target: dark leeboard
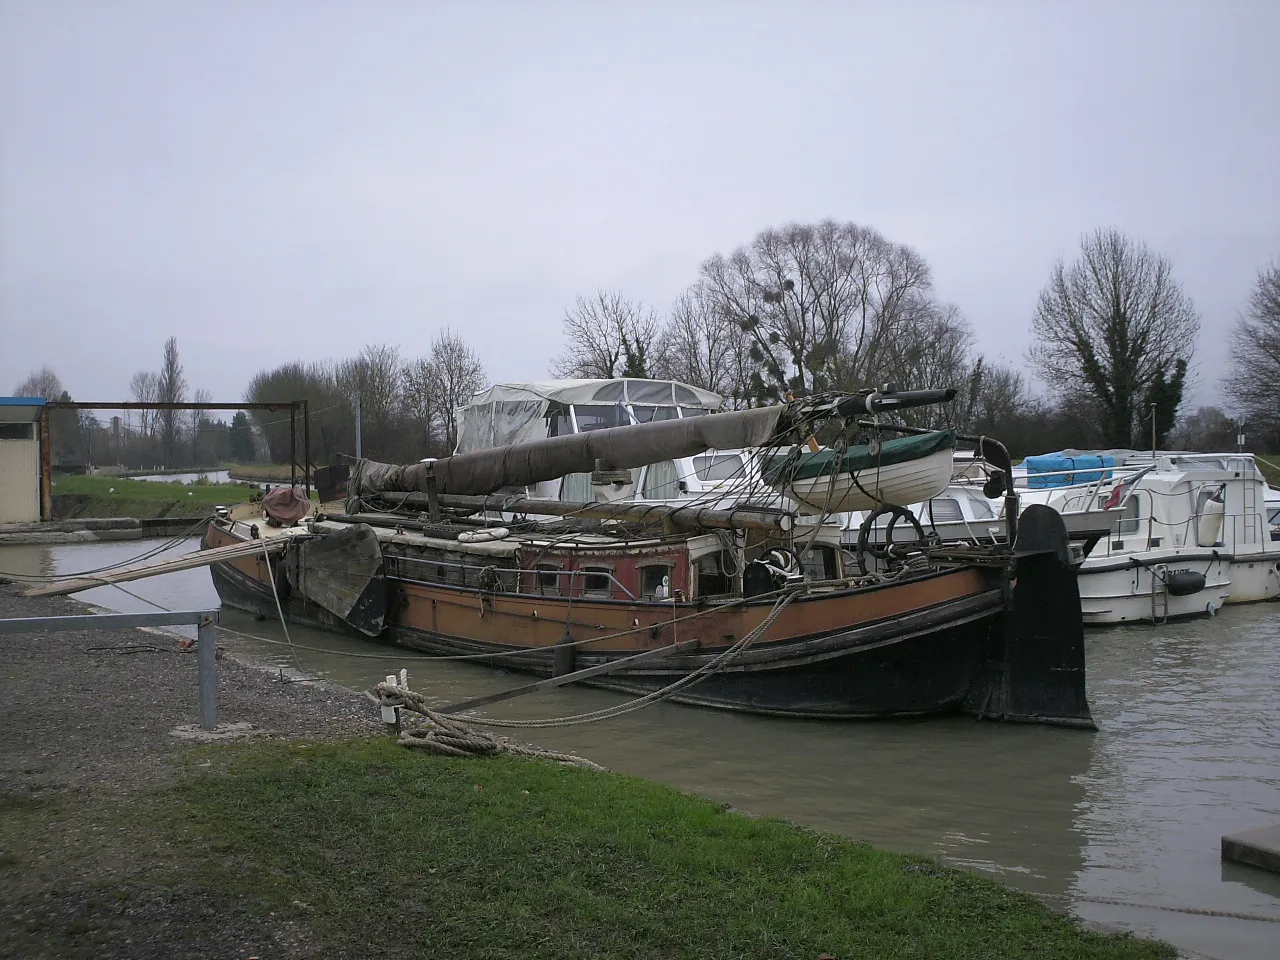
1042,675
342,573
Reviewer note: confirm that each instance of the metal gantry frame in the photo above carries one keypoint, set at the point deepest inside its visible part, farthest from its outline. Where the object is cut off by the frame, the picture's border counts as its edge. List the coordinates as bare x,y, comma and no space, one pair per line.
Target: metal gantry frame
206,641
293,406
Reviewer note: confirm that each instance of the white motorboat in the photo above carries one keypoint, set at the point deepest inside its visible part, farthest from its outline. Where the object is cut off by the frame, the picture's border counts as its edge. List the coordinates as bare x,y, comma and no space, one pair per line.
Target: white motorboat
1195,533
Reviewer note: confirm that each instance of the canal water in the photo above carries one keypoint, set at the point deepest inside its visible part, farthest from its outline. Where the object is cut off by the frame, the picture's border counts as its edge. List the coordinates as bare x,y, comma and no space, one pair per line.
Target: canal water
209,476
1188,748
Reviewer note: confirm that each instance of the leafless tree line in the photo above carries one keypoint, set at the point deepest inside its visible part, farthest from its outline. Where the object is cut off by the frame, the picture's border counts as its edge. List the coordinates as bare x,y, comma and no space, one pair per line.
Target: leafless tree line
837,306
407,406
1252,383
801,308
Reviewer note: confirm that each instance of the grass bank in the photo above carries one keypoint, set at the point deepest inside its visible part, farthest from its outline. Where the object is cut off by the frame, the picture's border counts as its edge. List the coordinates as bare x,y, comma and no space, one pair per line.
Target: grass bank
383,852
98,496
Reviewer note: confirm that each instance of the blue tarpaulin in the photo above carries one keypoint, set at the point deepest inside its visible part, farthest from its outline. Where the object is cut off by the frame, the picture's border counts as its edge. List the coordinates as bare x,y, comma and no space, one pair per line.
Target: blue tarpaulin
1065,467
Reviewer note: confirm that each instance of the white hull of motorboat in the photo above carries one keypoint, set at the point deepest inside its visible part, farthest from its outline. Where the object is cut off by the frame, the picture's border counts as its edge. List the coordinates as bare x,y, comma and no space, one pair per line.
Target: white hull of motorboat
1118,590
1255,577
897,483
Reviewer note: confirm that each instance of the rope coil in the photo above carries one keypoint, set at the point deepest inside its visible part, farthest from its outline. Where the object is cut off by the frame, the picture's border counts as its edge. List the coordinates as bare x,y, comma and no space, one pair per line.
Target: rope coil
400,696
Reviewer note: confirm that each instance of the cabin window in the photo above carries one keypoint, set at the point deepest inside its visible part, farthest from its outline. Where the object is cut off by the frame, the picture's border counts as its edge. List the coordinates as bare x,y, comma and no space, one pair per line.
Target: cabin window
1129,519
547,577
596,581
820,564
651,581
576,488
685,395
16,431
712,580
661,482
1273,516
558,422
945,510
694,411
610,391
982,510
645,413
600,416
715,467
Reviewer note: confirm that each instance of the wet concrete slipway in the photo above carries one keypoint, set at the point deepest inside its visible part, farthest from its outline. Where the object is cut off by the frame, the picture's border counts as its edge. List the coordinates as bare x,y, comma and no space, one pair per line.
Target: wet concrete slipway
1121,826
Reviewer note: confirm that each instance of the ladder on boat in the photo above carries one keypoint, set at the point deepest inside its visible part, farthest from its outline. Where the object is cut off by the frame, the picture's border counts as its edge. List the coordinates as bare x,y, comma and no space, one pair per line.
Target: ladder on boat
1250,511
1159,594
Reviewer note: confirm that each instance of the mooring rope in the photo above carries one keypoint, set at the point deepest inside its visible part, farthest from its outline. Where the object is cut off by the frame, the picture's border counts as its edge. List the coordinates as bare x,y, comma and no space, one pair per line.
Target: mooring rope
401,696
275,592
455,738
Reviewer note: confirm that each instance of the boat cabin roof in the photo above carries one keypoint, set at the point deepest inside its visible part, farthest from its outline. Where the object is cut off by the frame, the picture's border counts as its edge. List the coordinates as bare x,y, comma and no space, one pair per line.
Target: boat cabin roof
508,413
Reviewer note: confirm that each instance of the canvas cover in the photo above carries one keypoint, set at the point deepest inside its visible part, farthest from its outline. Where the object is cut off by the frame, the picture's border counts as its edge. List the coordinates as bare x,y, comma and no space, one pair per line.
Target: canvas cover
805,466
508,413
520,465
1056,463
286,505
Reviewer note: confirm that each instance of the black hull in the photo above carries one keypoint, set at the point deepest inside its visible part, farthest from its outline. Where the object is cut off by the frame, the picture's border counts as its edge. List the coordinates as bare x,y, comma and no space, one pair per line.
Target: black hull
925,663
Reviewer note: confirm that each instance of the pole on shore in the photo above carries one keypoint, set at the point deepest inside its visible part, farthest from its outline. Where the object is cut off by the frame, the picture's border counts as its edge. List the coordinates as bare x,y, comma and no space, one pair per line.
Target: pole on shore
357,412
46,466
207,666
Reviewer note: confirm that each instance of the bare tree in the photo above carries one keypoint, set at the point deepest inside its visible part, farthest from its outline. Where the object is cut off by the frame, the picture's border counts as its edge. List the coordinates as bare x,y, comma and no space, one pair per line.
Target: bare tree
458,375
820,302
198,422
421,393
1117,324
608,335
40,383
145,388
69,428
377,377
1253,383
171,388
699,348
1207,430
938,353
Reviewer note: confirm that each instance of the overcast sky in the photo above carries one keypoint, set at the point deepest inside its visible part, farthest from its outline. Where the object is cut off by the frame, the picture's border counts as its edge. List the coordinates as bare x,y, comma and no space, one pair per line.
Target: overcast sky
292,179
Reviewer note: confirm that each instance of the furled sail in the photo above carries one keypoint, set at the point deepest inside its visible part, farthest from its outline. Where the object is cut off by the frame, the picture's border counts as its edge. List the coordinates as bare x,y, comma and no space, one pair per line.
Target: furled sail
524,464
621,448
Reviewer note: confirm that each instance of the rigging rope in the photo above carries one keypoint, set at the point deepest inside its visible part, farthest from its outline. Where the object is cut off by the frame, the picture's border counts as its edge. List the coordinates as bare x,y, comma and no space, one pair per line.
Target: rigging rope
400,696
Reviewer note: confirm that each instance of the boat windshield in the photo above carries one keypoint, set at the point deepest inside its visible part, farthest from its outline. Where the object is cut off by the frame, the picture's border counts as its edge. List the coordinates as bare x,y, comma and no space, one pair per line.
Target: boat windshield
720,466
648,413
599,416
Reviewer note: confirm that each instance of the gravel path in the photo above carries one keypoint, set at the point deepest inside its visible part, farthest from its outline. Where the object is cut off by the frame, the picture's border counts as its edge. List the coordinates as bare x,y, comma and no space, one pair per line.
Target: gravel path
86,729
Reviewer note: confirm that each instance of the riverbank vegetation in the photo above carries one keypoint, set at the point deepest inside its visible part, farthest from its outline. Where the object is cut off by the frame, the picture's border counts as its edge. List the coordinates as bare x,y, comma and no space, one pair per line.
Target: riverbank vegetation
382,851
97,496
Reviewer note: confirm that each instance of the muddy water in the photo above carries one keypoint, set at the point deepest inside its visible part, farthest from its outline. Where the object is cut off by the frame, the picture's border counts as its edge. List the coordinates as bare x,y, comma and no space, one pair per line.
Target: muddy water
1188,749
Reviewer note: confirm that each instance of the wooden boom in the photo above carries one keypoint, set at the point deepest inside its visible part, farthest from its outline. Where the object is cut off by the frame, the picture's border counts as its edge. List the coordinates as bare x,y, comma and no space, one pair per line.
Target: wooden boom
197,558
738,518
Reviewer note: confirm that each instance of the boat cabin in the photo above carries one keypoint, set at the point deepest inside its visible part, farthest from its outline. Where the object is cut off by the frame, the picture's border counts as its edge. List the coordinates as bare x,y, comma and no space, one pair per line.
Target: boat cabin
1185,500
510,413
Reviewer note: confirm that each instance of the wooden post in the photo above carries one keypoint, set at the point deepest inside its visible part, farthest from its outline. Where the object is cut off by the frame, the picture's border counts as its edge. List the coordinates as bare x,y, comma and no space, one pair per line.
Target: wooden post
46,466
390,714
207,669
433,500
306,445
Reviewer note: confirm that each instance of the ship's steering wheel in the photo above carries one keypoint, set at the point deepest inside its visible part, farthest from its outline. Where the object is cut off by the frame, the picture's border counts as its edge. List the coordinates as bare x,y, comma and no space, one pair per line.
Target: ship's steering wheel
884,551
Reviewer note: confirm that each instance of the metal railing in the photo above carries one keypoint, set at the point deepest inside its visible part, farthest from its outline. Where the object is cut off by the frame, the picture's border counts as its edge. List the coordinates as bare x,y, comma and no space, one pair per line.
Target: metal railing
206,641
578,572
